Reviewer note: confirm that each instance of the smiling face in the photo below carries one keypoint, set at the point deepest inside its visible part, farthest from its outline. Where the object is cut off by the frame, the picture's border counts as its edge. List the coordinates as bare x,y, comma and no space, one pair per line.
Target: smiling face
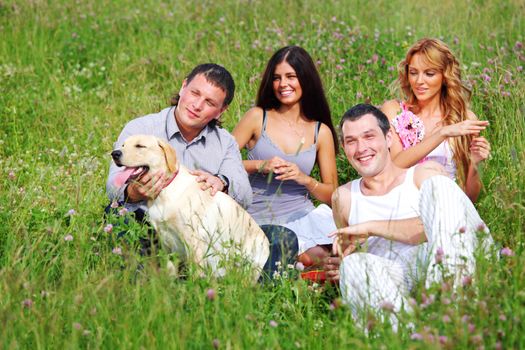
425,80
200,102
286,86
365,145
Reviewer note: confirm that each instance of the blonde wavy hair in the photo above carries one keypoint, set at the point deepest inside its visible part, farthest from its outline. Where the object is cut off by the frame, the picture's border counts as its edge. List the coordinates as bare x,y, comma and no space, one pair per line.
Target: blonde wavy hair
455,95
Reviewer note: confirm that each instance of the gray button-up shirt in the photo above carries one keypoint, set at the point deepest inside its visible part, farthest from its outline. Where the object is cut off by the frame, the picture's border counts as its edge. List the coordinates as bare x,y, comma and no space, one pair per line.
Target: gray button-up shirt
214,150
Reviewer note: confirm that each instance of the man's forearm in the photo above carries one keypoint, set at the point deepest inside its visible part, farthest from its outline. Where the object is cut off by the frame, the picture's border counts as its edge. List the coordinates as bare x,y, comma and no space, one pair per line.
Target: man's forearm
409,231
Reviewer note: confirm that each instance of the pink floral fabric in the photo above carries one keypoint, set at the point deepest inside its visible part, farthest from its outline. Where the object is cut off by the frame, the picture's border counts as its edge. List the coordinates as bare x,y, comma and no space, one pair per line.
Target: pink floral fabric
409,127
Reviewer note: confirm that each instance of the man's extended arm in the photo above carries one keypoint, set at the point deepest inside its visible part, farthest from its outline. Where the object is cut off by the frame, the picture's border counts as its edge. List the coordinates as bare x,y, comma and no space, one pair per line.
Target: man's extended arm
233,169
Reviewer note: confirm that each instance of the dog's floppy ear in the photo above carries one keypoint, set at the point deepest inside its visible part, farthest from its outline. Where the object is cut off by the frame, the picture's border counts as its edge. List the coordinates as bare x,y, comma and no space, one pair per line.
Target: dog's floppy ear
169,154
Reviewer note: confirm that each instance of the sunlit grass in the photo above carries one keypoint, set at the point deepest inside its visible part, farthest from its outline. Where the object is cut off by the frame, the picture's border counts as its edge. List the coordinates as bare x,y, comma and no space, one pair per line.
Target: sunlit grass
73,73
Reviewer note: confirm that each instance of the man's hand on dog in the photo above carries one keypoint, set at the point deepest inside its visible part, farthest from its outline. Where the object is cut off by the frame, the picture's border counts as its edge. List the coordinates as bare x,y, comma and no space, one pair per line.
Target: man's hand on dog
147,187
208,181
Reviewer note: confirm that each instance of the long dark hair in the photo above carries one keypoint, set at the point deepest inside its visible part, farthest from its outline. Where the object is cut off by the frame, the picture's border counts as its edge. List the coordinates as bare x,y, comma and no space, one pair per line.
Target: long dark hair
313,101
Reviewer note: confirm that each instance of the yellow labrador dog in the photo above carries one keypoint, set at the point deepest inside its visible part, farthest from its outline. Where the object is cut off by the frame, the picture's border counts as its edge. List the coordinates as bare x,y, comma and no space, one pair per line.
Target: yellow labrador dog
199,227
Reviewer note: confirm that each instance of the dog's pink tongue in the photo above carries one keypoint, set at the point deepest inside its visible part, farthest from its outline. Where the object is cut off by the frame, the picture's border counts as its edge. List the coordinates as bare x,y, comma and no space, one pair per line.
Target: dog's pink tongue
123,176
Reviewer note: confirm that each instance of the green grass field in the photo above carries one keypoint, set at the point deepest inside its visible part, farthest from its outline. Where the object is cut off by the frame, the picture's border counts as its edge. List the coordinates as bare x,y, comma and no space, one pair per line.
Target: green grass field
72,73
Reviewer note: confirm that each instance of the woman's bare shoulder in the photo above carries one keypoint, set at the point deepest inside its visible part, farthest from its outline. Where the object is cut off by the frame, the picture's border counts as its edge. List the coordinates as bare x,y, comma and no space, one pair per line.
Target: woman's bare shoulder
391,108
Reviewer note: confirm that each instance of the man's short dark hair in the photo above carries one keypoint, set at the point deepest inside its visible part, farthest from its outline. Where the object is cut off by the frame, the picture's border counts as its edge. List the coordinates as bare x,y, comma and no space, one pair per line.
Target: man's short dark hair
218,76
356,112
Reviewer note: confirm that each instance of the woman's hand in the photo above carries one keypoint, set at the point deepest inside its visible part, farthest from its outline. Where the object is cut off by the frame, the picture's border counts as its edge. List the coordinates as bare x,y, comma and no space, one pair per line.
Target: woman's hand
479,150
269,165
466,127
290,171
348,239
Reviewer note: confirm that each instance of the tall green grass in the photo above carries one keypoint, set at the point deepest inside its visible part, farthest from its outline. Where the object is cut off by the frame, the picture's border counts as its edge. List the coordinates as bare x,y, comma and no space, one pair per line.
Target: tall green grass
73,73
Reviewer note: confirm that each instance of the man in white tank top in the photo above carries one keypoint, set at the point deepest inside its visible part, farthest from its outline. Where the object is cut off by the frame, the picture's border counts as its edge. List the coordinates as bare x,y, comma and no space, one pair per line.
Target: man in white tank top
397,226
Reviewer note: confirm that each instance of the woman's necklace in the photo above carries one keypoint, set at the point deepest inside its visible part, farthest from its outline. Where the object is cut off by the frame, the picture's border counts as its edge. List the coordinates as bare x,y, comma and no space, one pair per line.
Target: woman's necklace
294,128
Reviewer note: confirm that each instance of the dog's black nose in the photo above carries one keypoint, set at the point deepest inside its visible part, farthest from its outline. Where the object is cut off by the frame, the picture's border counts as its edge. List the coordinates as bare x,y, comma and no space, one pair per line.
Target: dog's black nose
116,155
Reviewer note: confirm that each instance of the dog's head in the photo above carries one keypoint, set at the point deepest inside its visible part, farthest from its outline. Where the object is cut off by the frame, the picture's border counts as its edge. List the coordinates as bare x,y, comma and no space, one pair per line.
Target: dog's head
142,153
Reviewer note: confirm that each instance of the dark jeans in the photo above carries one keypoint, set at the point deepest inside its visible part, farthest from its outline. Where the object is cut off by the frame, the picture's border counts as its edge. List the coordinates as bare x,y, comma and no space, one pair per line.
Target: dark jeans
283,247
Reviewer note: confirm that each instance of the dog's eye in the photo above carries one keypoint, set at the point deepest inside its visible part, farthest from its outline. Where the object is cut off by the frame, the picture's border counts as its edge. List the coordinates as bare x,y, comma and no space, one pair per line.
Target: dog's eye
140,146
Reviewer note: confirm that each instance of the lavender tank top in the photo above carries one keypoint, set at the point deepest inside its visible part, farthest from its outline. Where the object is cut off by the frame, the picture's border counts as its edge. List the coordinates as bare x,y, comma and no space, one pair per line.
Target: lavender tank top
279,202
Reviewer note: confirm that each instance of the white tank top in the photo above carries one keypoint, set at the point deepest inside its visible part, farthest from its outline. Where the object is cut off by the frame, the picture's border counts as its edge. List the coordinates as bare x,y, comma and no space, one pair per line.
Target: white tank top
402,202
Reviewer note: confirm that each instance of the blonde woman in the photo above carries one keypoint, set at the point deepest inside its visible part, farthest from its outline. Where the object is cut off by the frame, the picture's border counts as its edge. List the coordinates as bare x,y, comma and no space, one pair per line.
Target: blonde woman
434,122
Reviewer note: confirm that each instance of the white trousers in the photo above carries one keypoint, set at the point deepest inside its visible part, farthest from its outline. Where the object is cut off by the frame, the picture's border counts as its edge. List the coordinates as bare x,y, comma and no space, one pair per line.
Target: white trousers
452,226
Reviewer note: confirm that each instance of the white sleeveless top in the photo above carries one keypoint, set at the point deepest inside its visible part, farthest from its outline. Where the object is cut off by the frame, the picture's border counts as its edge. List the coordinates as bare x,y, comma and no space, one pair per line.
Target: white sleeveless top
402,202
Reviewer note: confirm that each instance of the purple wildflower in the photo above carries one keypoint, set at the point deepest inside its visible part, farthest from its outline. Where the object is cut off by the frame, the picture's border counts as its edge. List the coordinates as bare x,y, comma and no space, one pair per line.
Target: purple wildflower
210,294
506,251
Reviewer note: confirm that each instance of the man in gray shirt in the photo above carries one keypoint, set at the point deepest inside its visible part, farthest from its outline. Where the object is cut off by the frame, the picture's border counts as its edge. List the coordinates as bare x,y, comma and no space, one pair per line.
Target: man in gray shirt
190,126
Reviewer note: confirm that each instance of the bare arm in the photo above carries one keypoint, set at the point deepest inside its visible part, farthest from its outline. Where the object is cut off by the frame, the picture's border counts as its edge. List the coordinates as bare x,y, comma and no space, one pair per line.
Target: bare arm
412,155
479,152
408,231
326,160
246,133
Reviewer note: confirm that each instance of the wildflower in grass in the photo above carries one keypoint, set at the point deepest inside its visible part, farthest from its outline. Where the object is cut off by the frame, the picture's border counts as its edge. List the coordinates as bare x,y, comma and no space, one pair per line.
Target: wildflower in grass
117,251
11,175
477,339
412,302
391,68
486,77
502,317
446,318
71,212
210,294
446,301
519,68
439,255
471,327
518,45
273,323
216,343
375,58
445,287
416,336
27,303
359,95
386,306
122,211
114,205
481,228
466,281
299,266
108,228
506,251
498,345
338,67
456,40
77,326
442,339
68,238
